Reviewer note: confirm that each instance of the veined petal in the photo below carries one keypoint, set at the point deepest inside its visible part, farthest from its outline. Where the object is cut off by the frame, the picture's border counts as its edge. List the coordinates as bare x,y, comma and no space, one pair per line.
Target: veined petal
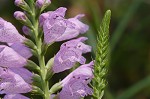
57,28
74,28
8,33
21,49
24,73
43,17
84,73
79,25
51,33
66,59
54,24
70,53
12,83
78,44
10,58
75,85
75,90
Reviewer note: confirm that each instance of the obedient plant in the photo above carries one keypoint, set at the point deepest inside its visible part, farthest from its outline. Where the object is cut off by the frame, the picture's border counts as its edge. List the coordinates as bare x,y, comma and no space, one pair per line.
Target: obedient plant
22,78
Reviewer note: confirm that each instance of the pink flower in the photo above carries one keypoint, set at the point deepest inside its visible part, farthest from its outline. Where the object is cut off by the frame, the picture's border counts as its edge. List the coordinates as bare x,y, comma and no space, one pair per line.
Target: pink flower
10,58
75,85
21,49
12,83
57,28
8,33
69,54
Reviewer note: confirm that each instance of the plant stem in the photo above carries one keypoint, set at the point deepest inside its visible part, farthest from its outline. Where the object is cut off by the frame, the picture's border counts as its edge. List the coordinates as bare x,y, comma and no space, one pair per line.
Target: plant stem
41,59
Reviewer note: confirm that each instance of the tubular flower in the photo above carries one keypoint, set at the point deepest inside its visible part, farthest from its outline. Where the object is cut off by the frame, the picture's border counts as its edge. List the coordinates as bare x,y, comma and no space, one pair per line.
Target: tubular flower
41,3
10,58
13,57
70,53
8,33
11,83
57,28
75,85
21,49
24,73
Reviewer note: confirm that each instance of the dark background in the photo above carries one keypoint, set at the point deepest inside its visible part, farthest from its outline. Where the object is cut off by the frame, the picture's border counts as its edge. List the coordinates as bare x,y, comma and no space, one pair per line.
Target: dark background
129,37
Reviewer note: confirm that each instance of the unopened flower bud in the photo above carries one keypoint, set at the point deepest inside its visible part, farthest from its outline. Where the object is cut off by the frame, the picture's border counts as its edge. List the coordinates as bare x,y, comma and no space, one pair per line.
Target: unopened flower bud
25,30
41,3
20,16
19,2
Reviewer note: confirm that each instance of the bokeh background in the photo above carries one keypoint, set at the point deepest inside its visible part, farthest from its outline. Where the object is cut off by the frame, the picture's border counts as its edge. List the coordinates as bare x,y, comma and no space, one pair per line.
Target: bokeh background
129,70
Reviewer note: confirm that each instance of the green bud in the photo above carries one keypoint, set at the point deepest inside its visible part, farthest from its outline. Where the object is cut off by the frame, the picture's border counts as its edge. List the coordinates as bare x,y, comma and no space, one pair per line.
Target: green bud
23,5
55,87
49,68
32,66
37,90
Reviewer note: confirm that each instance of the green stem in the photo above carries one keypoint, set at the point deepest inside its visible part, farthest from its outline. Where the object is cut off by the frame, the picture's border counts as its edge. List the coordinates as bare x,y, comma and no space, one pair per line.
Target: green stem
41,59
45,83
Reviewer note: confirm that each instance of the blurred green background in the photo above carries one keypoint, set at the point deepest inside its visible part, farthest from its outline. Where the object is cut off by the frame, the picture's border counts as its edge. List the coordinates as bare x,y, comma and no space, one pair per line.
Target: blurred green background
129,71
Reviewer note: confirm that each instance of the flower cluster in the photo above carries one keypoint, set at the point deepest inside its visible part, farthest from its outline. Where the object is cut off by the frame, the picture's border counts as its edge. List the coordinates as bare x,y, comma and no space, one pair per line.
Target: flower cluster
57,28
15,79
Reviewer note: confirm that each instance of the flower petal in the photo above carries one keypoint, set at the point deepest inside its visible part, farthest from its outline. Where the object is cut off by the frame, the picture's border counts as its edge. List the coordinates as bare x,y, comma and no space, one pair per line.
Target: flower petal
57,28
84,73
78,44
21,49
12,83
10,58
24,73
69,54
75,85
66,59
8,33
79,25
